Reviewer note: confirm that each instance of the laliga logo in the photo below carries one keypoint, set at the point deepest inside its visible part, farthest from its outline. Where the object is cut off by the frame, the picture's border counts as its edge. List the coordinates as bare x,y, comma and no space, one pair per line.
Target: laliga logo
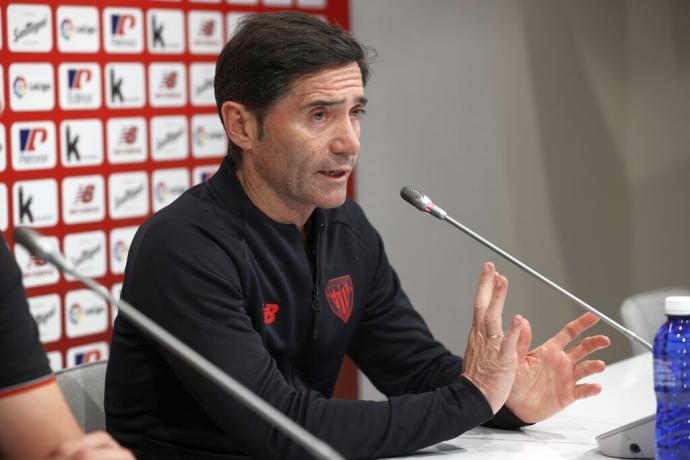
120,23
20,87
67,29
76,313
162,191
77,77
29,138
120,251
200,136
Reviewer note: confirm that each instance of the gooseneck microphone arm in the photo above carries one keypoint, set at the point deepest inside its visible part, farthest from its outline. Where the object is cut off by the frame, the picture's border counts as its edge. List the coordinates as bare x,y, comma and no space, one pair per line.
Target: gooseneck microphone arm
32,241
424,204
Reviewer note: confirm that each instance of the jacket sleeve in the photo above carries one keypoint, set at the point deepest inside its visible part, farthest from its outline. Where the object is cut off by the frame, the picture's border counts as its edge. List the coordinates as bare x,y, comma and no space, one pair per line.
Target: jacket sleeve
195,292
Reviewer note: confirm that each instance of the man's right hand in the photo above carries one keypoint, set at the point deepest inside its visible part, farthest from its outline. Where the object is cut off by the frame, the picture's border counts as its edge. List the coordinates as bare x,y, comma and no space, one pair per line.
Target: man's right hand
491,358
93,446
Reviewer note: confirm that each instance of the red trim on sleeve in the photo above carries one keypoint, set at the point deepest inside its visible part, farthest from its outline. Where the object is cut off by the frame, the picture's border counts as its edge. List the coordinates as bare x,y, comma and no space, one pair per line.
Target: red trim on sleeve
26,387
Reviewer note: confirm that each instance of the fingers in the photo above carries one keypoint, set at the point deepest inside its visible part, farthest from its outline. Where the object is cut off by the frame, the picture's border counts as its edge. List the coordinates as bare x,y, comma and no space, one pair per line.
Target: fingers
510,341
574,329
587,346
587,368
525,340
493,316
483,295
93,445
586,390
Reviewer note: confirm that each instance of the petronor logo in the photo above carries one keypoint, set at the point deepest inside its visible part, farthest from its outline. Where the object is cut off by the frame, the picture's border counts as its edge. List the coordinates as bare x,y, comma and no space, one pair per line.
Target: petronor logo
121,23
77,77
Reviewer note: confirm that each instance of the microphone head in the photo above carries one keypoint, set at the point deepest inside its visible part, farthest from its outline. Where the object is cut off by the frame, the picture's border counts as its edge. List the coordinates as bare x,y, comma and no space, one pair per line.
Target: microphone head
413,197
32,241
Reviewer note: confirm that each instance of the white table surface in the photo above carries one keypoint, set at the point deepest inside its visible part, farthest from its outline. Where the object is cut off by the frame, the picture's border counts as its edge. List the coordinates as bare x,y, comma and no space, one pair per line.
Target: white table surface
627,395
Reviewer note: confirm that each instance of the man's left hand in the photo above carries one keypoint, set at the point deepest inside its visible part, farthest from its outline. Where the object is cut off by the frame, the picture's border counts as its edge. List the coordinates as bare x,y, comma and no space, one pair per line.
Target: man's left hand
547,377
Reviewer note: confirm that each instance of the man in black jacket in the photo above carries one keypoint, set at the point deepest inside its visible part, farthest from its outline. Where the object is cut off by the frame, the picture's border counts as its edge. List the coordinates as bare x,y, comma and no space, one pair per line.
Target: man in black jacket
270,272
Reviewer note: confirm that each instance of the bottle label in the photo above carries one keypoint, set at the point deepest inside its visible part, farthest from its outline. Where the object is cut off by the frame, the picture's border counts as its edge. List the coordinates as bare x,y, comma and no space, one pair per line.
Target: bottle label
663,374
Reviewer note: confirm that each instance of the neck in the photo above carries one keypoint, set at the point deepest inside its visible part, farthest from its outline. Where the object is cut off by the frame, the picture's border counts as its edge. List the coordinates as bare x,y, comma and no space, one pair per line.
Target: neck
269,202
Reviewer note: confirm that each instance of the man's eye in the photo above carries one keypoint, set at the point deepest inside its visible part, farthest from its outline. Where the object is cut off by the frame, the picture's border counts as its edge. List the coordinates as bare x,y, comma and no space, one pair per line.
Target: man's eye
319,116
358,113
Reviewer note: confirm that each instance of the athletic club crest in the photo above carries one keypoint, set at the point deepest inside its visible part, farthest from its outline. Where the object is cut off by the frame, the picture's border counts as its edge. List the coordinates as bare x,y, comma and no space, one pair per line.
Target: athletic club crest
340,296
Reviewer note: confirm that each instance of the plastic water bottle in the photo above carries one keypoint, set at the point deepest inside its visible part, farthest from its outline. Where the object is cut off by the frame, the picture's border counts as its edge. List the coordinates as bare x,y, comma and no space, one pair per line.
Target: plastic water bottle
672,382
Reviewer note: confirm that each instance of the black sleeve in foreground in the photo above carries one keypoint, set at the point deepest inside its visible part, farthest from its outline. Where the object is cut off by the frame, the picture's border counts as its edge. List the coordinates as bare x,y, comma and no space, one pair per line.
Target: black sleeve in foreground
24,361
194,292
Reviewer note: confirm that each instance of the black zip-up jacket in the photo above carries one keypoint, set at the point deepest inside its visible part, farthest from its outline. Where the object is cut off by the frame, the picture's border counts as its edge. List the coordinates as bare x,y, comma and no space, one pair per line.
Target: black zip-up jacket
279,316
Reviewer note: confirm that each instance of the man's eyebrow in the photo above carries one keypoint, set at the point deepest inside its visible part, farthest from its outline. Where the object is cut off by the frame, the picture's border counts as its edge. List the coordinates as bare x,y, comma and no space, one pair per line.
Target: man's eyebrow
329,103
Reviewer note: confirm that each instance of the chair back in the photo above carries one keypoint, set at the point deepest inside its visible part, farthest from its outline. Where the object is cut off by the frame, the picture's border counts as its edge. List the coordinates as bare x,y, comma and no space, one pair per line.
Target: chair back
84,387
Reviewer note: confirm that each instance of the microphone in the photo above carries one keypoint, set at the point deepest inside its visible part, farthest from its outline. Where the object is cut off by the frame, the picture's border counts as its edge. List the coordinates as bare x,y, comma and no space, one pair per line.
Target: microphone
424,204
634,440
33,242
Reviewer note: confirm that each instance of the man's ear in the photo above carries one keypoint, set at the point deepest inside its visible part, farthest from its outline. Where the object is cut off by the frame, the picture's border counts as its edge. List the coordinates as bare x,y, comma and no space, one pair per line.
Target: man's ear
240,124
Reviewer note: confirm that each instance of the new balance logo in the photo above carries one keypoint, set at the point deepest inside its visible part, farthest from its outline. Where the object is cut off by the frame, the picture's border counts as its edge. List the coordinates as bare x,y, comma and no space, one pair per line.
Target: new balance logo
128,135
85,194
207,28
30,138
270,312
169,80
77,77
121,23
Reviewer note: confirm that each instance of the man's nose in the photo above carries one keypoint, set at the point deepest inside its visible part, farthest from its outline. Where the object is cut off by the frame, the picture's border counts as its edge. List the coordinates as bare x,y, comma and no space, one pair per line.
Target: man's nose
346,138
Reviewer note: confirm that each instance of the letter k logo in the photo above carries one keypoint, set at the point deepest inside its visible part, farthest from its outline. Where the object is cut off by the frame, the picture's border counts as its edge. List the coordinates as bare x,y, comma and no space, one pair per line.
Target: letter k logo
157,34
72,146
115,87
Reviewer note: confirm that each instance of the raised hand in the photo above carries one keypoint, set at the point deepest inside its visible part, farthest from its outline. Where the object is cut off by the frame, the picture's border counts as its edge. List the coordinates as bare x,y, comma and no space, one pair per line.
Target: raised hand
490,358
547,377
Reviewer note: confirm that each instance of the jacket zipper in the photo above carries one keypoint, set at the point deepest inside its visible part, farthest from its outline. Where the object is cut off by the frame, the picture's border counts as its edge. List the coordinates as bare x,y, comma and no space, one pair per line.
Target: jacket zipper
315,304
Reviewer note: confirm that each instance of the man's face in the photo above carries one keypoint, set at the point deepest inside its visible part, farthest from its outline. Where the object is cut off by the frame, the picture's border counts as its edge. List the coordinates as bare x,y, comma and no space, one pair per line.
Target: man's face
310,142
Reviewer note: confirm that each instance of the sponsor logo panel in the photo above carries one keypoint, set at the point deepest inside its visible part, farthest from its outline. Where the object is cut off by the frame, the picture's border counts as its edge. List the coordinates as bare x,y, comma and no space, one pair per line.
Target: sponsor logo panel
33,145
124,85
47,313
55,360
83,199
79,85
277,2
91,353
4,206
169,140
85,313
29,28
123,30
205,32
201,77
167,185
37,272
32,87
35,203
167,85
203,173
128,195
208,136
3,144
116,292
77,29
312,4
81,143
165,31
126,140
120,241
243,2
232,21
86,252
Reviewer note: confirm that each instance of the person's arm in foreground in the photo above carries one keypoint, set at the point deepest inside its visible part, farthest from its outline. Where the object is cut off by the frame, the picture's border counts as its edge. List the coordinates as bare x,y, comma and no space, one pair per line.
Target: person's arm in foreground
36,423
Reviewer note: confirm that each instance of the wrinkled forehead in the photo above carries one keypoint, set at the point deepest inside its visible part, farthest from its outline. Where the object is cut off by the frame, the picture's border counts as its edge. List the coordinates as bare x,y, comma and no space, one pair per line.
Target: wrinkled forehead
343,81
